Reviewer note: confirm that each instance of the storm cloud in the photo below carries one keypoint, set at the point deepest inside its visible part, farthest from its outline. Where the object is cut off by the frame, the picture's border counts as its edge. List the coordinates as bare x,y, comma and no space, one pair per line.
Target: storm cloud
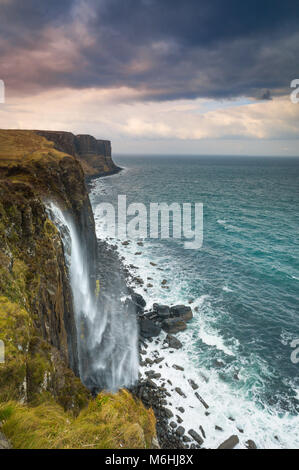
164,49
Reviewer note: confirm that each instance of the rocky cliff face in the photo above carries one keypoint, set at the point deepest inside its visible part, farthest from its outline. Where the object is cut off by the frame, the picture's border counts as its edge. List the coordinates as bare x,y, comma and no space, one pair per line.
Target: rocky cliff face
94,155
37,323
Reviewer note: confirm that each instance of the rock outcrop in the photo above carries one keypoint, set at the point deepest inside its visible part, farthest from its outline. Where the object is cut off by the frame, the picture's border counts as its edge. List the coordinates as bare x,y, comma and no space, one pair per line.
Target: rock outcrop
94,155
37,323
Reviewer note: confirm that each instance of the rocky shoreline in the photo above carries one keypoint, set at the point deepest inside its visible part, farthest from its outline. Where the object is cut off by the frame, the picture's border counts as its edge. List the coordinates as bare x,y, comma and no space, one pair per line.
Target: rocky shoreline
157,329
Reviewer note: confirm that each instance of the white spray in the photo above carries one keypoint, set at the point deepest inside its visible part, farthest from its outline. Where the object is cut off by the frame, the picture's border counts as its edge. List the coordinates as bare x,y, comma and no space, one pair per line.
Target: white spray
106,328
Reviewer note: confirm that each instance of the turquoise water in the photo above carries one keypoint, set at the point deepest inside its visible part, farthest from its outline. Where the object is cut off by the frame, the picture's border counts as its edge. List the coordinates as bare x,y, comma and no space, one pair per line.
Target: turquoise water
245,278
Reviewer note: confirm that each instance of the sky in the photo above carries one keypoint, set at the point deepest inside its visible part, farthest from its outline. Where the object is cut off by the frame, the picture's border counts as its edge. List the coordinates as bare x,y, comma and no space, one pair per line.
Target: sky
155,76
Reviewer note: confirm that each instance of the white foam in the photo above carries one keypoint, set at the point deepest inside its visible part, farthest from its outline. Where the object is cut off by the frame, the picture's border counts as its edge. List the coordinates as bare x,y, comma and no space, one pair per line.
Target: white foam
267,427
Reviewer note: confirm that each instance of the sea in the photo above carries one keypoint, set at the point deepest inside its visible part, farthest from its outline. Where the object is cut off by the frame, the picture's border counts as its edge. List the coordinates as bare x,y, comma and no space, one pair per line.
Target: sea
242,284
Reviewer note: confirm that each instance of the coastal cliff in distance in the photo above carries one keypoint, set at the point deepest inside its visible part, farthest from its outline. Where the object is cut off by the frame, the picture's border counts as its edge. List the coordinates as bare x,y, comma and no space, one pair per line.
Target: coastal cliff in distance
94,155
43,403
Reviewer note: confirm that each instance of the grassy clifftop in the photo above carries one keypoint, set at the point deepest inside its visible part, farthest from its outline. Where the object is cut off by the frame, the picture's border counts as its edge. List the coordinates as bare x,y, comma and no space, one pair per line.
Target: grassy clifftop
43,404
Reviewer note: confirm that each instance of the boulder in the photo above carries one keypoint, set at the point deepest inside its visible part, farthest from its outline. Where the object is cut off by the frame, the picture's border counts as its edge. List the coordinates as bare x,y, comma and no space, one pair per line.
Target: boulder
173,342
148,328
193,384
250,444
183,312
162,311
230,443
180,431
196,436
173,325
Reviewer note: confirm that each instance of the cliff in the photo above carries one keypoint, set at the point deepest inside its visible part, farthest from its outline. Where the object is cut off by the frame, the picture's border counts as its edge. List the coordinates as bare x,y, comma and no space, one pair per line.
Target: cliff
94,155
39,385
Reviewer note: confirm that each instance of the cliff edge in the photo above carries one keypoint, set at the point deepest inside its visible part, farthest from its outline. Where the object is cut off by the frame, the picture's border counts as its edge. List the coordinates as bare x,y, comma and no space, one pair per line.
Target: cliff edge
95,155
43,403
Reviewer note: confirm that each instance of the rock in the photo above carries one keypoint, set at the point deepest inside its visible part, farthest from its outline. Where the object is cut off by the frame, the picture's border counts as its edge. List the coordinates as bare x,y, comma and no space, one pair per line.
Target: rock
153,264
151,384
180,431
138,299
173,342
164,282
158,360
195,436
219,363
218,428
193,384
230,443
181,409
180,392
125,243
148,328
202,431
140,243
138,253
4,443
250,444
162,311
149,285
182,311
173,325
201,400
186,439
173,425
168,413
179,419
175,366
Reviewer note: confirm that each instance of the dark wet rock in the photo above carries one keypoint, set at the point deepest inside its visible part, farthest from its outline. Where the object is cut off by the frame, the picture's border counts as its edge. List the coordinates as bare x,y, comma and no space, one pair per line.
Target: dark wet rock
186,439
158,360
179,419
149,285
173,342
230,443
138,299
140,243
218,428
168,413
201,400
175,366
153,264
183,312
151,384
125,243
173,325
195,436
193,384
173,425
180,431
138,253
148,328
180,392
181,409
162,311
250,444
231,418
219,363
202,431
164,282
241,430
169,381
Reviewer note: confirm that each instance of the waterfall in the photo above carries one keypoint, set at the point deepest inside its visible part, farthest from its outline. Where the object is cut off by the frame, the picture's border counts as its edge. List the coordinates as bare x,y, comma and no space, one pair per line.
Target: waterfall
106,325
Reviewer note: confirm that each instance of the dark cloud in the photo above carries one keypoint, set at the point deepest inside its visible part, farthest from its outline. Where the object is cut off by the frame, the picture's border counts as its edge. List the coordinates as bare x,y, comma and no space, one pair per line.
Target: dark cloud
166,48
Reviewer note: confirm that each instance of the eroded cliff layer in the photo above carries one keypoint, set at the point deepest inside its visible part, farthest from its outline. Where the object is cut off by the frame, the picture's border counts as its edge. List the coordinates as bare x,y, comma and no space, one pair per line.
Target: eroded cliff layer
43,403
94,155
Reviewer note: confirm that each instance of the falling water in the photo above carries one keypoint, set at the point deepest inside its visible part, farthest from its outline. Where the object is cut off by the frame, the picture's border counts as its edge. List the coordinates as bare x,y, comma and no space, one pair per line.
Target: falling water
106,325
